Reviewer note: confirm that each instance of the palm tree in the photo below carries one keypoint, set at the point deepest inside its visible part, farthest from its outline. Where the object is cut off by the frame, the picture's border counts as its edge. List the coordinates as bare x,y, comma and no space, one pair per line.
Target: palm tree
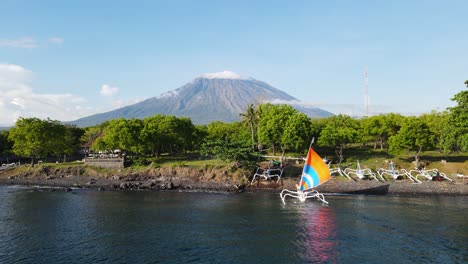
250,117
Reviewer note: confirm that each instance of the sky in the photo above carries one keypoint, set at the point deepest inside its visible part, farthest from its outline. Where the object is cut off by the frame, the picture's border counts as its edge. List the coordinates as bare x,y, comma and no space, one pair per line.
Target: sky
69,59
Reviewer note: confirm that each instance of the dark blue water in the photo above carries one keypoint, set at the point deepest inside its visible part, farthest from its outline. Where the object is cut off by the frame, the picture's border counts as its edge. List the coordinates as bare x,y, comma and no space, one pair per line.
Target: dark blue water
165,227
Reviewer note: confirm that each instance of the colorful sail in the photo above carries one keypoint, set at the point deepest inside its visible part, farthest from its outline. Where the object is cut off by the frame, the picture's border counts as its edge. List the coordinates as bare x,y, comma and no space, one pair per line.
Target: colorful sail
315,171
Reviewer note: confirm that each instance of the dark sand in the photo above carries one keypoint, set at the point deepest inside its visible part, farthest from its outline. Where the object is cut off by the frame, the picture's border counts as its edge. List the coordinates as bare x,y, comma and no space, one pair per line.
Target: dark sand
179,183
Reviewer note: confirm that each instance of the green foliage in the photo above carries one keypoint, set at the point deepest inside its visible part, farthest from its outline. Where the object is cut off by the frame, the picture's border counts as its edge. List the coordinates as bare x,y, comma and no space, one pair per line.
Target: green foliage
297,132
91,134
378,129
456,132
437,123
228,131
123,134
272,123
269,125
228,150
251,118
414,135
33,137
169,132
6,145
339,131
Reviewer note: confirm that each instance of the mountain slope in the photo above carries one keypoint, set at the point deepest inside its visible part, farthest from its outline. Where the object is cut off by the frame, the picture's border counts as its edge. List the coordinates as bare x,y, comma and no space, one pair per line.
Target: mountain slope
218,96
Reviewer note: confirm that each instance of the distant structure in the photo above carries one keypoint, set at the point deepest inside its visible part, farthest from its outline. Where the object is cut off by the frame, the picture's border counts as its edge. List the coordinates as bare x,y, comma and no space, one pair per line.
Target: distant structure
366,98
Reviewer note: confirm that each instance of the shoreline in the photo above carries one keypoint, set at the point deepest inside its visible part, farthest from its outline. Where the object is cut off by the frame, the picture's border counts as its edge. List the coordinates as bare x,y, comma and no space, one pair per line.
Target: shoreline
184,184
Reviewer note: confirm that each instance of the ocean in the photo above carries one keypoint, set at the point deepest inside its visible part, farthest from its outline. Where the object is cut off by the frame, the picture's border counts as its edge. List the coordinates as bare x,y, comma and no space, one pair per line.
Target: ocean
86,226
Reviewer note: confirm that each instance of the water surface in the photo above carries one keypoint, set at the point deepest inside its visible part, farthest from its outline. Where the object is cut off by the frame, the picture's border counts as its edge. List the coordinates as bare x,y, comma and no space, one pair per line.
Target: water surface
169,227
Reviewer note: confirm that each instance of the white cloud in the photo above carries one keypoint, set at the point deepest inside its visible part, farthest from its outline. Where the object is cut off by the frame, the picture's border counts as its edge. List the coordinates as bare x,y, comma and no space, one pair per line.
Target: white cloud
25,43
350,109
18,99
292,102
107,90
56,40
121,103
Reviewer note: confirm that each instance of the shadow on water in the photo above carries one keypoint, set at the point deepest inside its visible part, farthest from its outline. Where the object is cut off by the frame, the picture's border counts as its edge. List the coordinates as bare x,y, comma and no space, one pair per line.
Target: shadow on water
379,190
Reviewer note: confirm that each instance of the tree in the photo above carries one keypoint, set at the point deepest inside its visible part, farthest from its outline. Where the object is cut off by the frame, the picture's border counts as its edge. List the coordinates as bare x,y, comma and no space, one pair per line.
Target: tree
122,134
380,128
251,118
339,131
200,132
71,143
184,133
166,131
370,128
91,135
297,132
33,137
55,131
272,124
228,150
228,131
5,144
456,132
437,122
414,135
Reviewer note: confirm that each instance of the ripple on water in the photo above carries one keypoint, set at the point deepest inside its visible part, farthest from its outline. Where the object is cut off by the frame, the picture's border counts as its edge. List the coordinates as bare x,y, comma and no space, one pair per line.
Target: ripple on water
158,227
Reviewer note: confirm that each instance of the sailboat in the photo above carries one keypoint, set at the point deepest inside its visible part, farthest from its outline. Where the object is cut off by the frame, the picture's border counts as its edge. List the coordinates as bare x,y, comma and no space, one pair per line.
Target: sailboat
314,173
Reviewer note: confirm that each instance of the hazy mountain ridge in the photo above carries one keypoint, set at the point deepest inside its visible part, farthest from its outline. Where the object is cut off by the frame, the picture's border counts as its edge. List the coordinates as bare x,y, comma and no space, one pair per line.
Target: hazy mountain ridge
204,100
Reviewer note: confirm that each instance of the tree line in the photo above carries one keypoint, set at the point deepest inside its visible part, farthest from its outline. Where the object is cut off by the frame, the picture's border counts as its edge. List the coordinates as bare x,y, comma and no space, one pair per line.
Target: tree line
263,128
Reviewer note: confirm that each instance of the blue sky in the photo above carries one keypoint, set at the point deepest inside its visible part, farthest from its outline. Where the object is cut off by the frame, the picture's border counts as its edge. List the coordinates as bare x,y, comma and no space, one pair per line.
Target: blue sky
69,59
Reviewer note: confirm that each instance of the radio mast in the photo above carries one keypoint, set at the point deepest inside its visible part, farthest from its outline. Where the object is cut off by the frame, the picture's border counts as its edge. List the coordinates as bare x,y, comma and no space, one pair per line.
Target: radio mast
366,99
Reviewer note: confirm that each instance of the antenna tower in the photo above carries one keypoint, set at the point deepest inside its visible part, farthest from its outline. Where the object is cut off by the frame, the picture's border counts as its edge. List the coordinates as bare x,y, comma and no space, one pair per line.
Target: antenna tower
366,99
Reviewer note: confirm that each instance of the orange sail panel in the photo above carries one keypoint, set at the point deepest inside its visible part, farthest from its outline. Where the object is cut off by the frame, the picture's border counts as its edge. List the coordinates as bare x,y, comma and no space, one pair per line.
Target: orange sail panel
315,171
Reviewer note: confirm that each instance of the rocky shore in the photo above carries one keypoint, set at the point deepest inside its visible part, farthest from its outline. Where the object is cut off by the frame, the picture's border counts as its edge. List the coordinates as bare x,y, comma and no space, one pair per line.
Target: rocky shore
186,179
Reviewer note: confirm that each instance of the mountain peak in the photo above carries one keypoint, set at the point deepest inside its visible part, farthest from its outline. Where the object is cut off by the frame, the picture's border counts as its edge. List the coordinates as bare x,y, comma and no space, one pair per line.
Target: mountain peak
224,75
211,97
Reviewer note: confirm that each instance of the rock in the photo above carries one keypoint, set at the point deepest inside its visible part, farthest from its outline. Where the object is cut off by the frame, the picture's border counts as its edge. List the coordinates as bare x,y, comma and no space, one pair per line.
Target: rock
240,187
169,186
123,185
92,181
101,189
116,178
68,189
149,184
50,177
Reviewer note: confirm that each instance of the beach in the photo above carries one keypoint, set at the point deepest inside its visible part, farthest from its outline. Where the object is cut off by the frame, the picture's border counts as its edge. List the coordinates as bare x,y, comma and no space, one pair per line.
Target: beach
189,180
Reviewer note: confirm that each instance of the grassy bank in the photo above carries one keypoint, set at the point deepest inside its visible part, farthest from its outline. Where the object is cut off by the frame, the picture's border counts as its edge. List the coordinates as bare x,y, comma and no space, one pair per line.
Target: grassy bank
374,159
